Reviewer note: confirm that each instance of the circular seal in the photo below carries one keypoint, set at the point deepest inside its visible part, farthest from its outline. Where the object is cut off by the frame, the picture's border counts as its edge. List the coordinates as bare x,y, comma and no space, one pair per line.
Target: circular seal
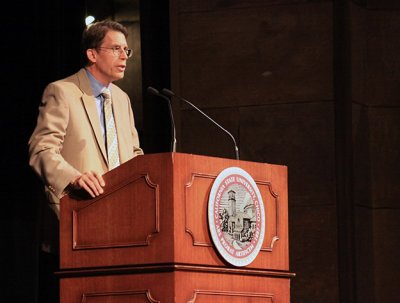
236,217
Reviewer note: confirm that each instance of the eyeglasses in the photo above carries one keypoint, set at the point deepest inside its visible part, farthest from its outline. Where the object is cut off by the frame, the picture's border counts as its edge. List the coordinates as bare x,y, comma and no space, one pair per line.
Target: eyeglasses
117,51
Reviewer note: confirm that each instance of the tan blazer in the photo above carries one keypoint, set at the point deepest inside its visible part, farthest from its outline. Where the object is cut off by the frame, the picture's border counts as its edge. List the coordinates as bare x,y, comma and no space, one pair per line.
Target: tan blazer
67,139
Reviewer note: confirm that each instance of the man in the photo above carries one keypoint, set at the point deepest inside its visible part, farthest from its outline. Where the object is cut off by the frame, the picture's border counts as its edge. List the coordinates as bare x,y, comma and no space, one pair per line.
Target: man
69,147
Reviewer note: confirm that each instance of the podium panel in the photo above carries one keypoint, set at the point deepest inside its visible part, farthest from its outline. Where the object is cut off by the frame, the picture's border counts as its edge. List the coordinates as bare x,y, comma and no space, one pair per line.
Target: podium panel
178,285
146,239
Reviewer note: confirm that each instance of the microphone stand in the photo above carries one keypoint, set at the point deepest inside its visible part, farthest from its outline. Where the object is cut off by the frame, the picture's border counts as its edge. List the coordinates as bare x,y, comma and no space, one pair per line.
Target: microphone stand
171,94
155,92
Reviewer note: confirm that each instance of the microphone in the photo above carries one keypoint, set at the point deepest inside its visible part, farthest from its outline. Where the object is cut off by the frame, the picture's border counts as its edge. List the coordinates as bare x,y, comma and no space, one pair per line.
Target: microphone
171,94
155,92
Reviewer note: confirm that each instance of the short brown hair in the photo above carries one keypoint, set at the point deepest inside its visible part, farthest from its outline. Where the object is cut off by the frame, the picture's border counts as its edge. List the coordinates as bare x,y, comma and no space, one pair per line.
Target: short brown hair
94,33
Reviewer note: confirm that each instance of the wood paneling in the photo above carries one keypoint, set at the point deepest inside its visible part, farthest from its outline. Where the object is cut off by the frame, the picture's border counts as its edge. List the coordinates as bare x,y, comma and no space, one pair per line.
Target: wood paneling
153,222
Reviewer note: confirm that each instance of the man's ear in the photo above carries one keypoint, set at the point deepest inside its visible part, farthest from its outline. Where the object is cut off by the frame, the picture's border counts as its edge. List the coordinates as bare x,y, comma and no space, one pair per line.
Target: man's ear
91,54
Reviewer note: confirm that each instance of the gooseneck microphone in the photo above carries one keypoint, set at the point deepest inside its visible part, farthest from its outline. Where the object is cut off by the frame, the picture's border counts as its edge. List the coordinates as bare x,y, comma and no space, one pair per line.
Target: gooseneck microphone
155,92
171,94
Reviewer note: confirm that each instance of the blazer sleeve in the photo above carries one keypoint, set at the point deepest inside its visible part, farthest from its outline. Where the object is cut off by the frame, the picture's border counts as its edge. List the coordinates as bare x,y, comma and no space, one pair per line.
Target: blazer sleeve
46,141
137,150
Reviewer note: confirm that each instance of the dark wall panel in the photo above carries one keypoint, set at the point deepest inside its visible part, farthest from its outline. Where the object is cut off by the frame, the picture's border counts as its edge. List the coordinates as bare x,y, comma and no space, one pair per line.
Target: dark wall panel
376,125
265,71
270,71
256,55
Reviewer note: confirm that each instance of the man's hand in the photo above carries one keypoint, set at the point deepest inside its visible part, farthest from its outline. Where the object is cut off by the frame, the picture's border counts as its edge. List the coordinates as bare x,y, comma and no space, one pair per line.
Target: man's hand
91,181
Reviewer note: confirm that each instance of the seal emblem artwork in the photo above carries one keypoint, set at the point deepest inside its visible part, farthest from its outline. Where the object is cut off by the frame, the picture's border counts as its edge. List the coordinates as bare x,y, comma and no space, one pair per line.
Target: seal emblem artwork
236,216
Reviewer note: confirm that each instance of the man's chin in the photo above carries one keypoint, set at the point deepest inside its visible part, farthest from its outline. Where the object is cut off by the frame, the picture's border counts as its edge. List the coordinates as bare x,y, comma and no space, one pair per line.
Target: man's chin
119,76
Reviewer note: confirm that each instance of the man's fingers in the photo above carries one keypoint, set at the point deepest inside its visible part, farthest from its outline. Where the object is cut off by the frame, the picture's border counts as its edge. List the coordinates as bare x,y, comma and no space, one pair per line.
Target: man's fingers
97,183
88,189
92,182
99,177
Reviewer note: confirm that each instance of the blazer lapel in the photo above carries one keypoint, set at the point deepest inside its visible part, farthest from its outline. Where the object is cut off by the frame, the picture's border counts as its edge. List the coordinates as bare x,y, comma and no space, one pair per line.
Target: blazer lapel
89,104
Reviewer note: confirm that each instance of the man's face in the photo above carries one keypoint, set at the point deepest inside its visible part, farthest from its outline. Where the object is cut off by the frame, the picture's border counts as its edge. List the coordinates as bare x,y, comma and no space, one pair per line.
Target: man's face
109,60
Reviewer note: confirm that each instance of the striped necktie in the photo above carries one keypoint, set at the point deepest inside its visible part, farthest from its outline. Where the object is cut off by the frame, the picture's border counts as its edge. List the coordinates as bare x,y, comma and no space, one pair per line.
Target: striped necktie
111,133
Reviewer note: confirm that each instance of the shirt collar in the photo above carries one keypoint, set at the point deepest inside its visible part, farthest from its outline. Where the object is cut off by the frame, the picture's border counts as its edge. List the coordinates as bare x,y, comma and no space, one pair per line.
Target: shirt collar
97,87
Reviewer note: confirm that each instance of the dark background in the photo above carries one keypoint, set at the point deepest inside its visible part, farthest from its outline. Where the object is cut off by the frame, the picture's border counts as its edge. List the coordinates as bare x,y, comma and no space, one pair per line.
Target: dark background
313,85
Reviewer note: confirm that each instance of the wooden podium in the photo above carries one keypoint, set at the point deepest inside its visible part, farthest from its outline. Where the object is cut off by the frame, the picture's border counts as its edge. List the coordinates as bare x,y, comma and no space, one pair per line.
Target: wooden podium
146,239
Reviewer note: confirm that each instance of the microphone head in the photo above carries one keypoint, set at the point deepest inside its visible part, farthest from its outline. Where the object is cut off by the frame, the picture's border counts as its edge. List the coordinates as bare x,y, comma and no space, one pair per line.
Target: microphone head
167,92
153,91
